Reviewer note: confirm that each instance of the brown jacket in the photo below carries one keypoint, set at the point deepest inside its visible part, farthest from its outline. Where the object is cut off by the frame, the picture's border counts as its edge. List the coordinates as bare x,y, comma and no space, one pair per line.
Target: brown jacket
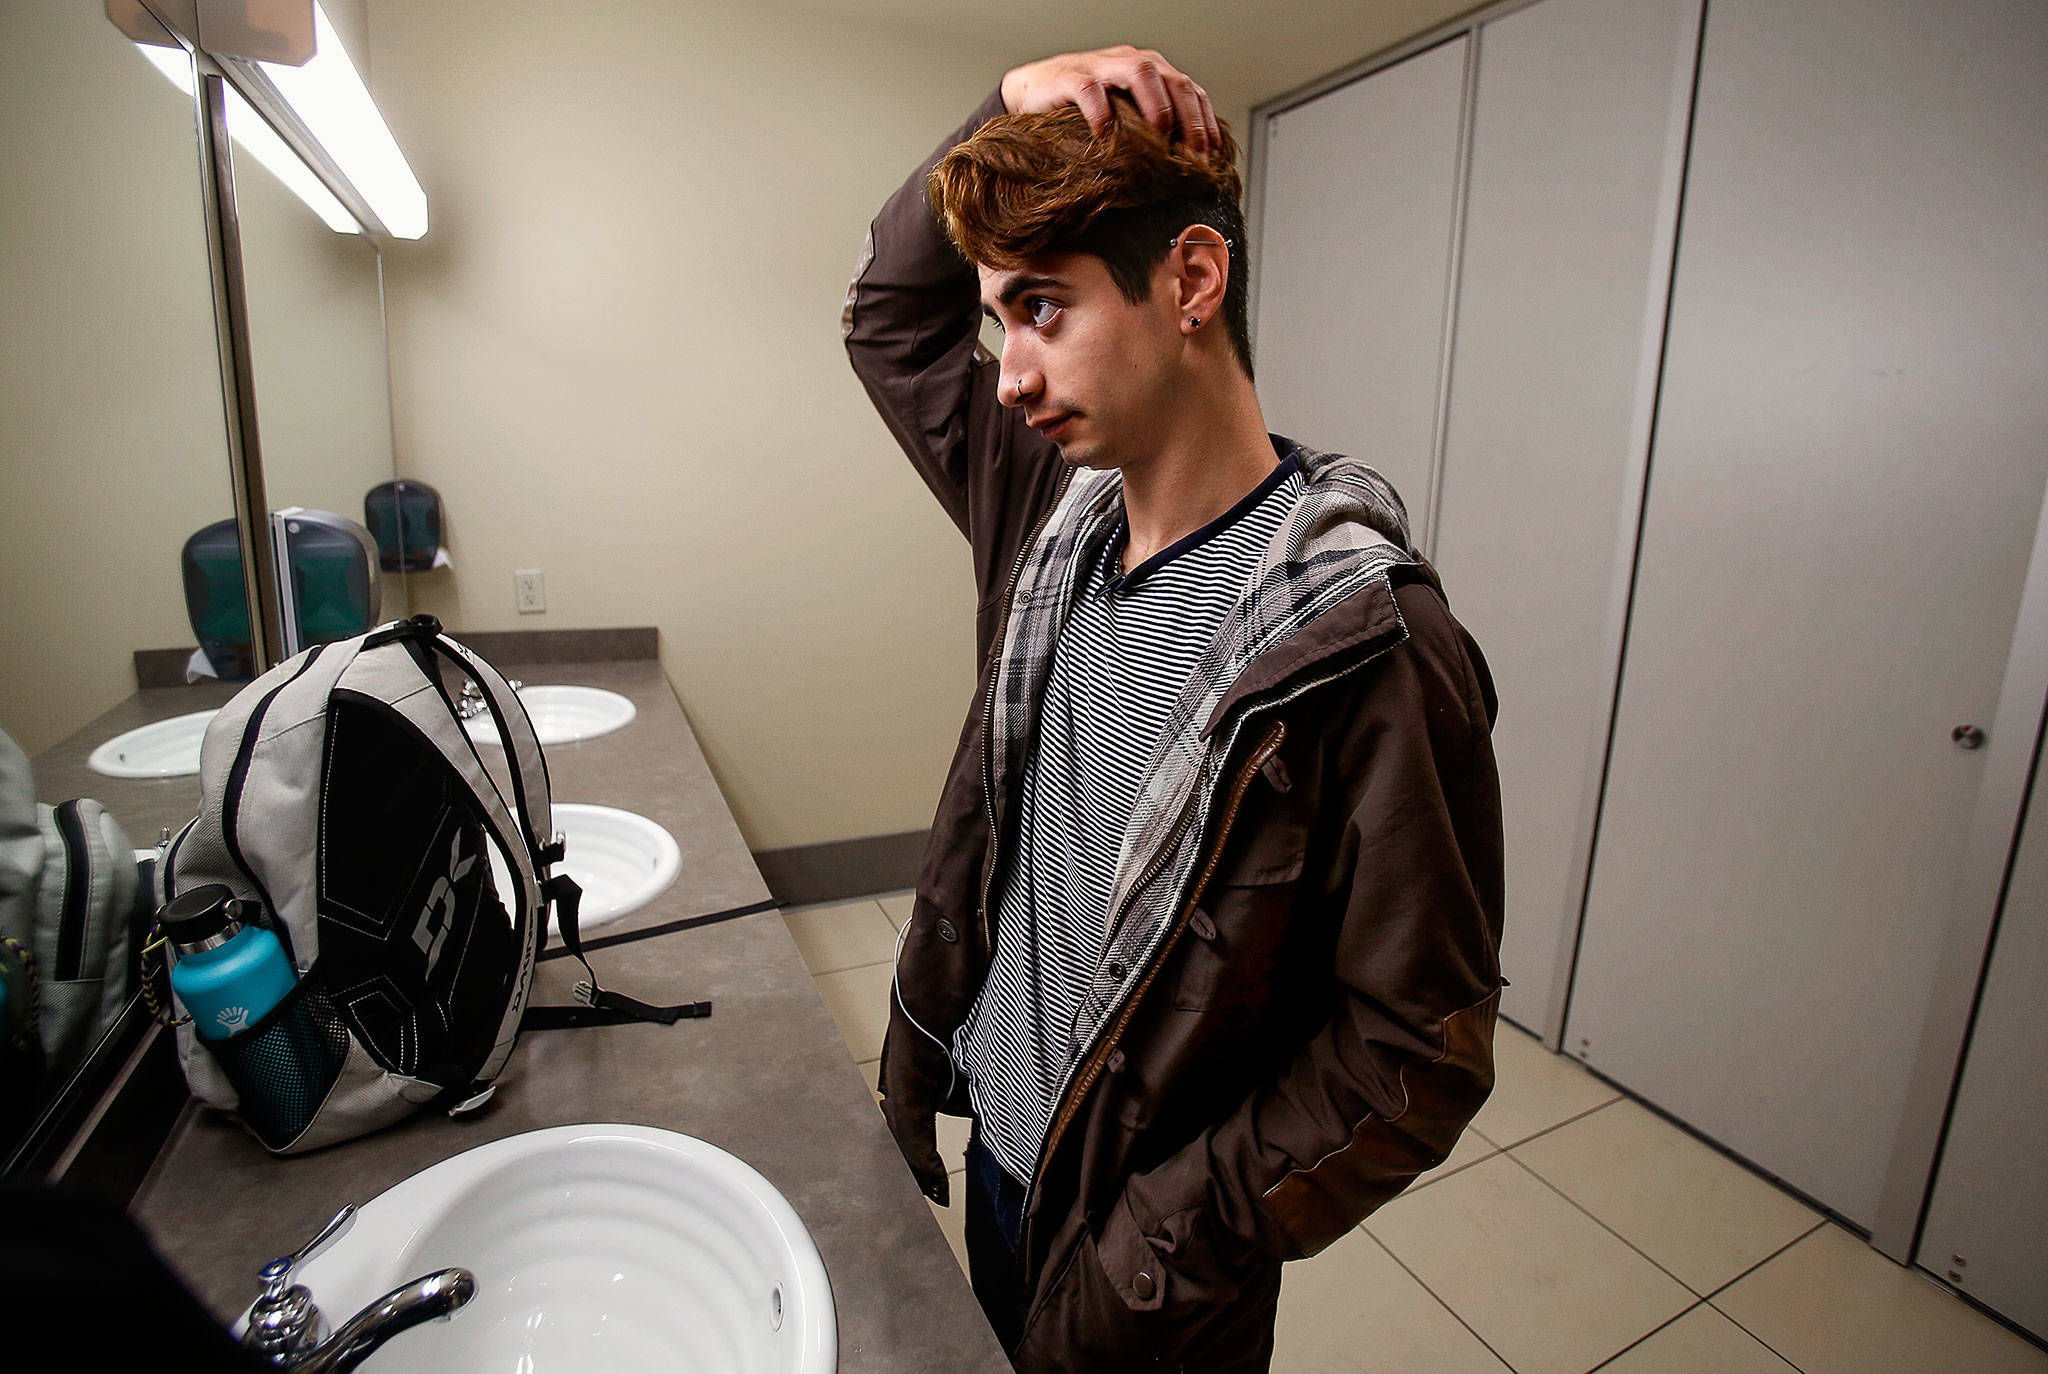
1316,1027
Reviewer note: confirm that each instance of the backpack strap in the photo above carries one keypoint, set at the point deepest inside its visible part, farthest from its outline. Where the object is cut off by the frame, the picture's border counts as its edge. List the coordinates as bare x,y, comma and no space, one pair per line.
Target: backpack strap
86,915
598,1005
531,791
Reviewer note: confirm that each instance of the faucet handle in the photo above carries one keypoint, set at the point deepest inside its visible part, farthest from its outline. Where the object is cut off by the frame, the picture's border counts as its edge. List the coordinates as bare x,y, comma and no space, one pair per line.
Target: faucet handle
274,1273
284,1318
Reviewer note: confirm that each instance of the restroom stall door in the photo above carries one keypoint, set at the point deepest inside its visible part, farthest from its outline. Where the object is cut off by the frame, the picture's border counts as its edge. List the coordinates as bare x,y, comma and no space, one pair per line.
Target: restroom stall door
1844,484
1576,147
1988,1210
1353,254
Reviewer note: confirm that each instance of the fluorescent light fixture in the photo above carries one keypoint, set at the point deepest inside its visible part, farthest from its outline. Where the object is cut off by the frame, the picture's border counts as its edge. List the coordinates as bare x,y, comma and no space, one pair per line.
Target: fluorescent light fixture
260,141
331,99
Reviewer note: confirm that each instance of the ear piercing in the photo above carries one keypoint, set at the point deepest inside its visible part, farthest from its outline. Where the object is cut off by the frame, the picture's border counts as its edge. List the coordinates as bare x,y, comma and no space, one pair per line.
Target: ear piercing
1194,321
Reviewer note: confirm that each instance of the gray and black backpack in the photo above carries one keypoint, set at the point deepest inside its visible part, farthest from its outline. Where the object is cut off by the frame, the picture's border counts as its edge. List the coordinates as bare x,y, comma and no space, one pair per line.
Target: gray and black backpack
345,806
70,905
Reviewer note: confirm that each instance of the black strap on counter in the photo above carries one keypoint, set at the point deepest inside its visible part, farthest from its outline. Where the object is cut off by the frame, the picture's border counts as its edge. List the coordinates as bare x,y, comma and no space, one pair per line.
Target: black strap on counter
633,937
576,1018
599,1005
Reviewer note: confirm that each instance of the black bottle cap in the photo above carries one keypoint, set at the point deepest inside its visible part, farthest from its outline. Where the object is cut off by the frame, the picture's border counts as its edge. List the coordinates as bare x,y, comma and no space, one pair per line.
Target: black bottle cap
192,918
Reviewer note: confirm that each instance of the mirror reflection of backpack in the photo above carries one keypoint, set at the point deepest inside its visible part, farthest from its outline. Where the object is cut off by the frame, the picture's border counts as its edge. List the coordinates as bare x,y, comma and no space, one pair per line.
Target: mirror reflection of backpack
68,889
347,810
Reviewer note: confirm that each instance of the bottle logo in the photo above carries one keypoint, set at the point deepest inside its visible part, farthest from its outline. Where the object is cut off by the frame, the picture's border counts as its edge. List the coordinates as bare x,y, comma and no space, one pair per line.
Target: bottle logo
232,1019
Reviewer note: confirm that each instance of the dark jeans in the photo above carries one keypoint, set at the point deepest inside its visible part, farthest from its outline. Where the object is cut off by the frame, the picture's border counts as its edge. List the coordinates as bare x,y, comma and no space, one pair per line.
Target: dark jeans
995,1240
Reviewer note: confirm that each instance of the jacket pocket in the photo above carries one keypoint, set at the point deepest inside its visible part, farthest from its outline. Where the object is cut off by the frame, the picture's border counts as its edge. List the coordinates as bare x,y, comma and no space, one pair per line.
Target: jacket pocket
1228,953
1271,848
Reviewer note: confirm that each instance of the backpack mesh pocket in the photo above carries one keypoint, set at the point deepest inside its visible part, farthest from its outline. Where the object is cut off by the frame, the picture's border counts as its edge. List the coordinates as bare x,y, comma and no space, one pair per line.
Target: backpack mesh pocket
284,1066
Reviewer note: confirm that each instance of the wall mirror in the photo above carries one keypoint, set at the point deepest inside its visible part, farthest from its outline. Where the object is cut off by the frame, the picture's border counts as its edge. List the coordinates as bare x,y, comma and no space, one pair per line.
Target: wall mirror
127,571
323,401
112,424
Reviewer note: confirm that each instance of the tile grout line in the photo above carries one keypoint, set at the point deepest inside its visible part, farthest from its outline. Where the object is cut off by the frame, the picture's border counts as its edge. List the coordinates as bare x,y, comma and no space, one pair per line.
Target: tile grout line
850,968
853,901
1694,1292
1437,1298
1702,1302
1753,1336
1497,1149
1762,1262
846,901
1732,1319
1620,1097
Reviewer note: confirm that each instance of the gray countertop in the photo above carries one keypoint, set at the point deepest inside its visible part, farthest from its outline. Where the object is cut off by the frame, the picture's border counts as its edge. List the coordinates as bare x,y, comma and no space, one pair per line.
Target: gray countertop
765,1077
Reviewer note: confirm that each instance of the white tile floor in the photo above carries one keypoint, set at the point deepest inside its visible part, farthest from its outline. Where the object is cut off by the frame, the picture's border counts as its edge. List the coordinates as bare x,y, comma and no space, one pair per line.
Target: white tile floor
1570,1230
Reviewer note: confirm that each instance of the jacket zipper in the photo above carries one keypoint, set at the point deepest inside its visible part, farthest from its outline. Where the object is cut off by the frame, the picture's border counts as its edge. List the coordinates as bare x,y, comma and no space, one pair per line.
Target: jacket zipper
1087,1067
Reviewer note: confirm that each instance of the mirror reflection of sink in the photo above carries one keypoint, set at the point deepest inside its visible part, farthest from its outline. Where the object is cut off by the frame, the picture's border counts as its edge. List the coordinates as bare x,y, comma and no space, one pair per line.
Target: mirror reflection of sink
596,1247
166,749
562,714
620,859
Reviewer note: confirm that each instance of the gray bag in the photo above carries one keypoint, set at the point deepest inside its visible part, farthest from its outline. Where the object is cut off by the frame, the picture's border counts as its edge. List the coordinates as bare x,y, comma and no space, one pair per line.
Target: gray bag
343,801
68,884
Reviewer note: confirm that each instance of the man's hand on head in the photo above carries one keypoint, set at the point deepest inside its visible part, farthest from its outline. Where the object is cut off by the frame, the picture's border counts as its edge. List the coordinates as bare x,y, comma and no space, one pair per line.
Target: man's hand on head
1165,95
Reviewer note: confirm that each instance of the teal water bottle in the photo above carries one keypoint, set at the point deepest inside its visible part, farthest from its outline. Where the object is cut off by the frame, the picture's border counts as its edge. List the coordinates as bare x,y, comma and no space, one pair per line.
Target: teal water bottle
228,974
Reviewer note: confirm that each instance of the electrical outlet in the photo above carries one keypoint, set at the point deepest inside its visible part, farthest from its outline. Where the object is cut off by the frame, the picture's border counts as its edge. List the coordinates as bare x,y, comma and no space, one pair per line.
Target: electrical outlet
530,590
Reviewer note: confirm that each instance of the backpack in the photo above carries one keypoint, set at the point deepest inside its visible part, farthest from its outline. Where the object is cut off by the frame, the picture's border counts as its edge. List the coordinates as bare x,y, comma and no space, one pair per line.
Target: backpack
68,906
343,803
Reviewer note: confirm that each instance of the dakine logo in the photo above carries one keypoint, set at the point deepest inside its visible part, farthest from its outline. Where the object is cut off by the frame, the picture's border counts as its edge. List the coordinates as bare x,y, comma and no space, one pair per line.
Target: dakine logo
432,931
232,1019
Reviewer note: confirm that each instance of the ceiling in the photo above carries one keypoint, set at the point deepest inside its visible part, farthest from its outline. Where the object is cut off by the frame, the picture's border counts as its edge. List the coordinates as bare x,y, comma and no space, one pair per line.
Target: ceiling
1243,54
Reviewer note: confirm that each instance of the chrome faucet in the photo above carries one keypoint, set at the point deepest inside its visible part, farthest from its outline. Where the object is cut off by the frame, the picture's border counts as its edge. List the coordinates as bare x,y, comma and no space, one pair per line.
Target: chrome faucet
287,1329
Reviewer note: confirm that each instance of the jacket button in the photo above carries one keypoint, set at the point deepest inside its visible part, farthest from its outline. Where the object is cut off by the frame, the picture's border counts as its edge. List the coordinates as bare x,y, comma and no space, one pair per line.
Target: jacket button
1141,1284
1116,971
947,933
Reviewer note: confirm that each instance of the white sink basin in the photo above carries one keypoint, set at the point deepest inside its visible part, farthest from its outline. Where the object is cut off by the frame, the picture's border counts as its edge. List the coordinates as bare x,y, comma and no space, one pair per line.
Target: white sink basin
167,749
562,714
595,1248
620,859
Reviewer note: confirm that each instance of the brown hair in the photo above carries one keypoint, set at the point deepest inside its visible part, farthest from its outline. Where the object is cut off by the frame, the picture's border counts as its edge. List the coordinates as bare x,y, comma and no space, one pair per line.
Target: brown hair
1045,182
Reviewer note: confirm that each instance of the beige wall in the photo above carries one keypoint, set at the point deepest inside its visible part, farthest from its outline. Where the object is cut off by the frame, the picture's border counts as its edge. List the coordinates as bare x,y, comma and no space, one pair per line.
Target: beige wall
112,437
616,354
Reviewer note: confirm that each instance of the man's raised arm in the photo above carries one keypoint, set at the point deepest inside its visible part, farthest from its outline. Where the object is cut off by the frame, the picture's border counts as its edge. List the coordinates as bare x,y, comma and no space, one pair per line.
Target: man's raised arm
911,324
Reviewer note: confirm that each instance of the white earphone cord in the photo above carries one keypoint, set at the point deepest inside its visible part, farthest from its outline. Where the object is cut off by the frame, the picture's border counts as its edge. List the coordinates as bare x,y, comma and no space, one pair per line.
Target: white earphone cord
896,989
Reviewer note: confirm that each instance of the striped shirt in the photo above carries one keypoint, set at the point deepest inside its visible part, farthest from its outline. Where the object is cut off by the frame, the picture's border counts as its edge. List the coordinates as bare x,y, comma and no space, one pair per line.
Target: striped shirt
1129,645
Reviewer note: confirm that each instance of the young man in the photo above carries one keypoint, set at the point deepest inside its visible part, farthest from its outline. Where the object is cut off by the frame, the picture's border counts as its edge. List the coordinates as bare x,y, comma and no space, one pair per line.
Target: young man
1206,940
